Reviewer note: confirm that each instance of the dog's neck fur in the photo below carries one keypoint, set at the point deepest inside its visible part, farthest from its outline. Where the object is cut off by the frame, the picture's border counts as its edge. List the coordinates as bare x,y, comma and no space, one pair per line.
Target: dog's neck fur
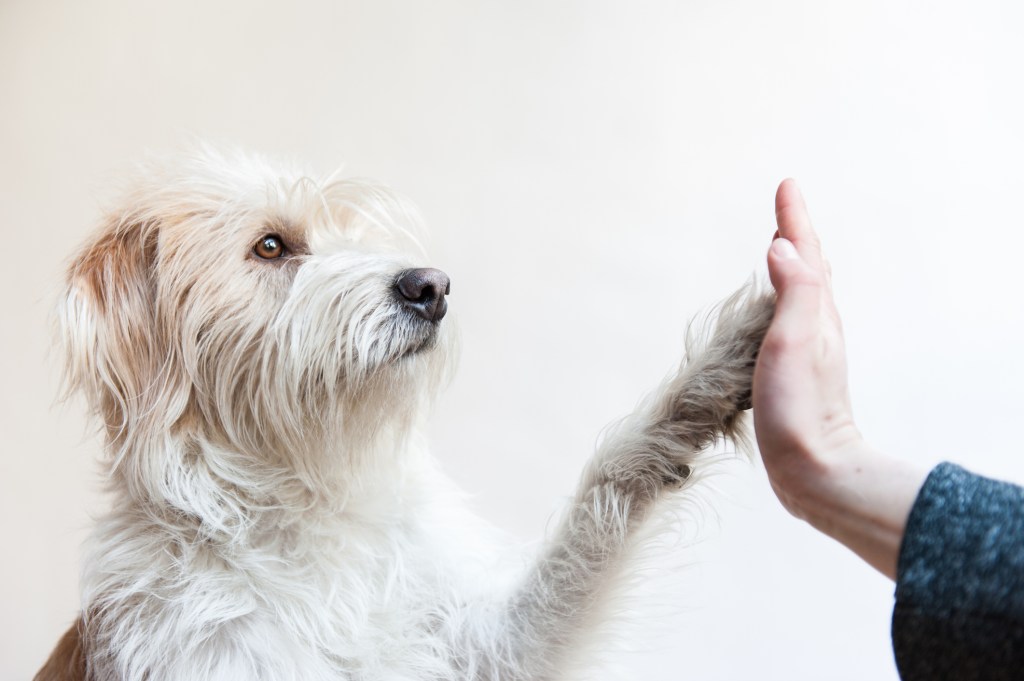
357,445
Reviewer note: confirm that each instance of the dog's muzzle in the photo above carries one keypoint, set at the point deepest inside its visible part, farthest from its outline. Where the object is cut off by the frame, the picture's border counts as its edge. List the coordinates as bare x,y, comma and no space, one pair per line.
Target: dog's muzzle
423,292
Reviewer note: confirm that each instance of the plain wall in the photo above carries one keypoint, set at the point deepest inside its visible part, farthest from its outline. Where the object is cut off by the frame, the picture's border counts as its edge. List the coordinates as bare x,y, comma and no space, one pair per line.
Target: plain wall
594,174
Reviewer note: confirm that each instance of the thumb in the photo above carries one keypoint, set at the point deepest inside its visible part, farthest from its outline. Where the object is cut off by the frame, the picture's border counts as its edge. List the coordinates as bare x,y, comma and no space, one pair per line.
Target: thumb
797,284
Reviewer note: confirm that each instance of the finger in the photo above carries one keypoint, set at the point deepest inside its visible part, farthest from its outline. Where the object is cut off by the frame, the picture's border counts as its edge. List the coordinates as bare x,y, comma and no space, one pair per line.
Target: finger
795,223
787,267
798,287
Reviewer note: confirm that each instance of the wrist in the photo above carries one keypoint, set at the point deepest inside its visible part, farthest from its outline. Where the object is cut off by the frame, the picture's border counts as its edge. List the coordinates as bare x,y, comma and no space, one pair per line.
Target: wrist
862,498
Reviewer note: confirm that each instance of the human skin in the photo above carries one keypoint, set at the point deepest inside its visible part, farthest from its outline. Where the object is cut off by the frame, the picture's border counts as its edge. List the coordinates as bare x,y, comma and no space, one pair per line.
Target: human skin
818,464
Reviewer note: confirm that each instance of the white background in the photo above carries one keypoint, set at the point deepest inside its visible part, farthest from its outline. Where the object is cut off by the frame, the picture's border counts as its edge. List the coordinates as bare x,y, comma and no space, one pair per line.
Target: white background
594,174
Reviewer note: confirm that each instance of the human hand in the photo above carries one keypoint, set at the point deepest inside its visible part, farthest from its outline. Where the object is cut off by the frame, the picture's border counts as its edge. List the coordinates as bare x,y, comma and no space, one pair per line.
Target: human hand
818,464
802,413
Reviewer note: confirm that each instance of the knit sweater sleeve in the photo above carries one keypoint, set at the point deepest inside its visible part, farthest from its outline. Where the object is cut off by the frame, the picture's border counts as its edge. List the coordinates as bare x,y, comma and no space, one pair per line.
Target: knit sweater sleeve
960,581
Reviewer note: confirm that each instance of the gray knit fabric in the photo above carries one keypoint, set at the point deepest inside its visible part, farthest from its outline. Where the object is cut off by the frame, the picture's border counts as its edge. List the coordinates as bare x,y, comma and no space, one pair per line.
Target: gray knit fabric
960,581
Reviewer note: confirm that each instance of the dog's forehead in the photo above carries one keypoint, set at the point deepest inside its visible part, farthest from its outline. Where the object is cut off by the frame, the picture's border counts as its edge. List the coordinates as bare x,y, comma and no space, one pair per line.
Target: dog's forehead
249,197
332,214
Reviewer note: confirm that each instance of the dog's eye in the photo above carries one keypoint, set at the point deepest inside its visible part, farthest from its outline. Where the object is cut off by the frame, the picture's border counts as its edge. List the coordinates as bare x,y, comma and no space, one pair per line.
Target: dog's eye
269,247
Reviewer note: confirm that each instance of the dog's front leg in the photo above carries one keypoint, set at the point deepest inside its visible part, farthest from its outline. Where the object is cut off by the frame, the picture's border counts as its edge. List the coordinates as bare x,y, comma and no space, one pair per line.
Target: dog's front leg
655,449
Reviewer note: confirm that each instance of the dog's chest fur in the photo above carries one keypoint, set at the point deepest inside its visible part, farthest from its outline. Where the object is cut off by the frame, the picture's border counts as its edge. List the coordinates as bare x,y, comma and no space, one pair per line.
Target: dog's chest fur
360,590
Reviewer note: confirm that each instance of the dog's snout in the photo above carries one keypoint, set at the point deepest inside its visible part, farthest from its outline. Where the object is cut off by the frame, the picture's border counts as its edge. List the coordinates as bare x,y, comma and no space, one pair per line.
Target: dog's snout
423,291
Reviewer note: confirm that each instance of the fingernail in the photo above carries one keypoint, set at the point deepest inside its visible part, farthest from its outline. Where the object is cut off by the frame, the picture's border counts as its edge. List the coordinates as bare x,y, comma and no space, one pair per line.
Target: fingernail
785,249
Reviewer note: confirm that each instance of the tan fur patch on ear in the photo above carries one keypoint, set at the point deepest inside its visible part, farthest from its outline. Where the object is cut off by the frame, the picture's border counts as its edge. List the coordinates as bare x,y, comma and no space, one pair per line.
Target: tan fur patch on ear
67,661
107,321
114,268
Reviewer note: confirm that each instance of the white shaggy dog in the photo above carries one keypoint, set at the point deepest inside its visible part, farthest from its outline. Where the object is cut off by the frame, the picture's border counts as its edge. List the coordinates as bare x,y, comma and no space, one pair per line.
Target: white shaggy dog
260,348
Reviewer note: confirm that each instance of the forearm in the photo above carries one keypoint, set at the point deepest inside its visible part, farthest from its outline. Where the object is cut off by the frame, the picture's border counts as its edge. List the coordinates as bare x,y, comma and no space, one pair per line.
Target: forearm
862,498
654,451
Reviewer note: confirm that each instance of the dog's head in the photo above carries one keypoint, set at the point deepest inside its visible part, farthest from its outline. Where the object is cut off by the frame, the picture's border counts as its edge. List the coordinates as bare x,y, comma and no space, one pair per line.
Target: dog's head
257,307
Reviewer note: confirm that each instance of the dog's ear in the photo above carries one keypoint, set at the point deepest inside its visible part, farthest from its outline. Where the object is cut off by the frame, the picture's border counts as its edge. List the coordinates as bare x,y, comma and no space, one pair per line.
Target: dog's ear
106,317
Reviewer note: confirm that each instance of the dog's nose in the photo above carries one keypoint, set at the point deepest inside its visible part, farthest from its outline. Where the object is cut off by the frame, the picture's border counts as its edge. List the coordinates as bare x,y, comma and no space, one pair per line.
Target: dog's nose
423,290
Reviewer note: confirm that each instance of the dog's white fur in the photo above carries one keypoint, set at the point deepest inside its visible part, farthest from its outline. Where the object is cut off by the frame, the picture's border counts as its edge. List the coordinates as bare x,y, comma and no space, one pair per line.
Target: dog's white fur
276,514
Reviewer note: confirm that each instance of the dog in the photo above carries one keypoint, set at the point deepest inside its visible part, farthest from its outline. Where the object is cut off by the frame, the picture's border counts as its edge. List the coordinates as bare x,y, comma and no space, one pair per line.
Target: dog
260,349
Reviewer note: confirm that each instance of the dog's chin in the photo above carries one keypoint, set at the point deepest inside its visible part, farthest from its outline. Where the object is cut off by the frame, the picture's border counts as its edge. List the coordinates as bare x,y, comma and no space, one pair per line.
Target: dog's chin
424,342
